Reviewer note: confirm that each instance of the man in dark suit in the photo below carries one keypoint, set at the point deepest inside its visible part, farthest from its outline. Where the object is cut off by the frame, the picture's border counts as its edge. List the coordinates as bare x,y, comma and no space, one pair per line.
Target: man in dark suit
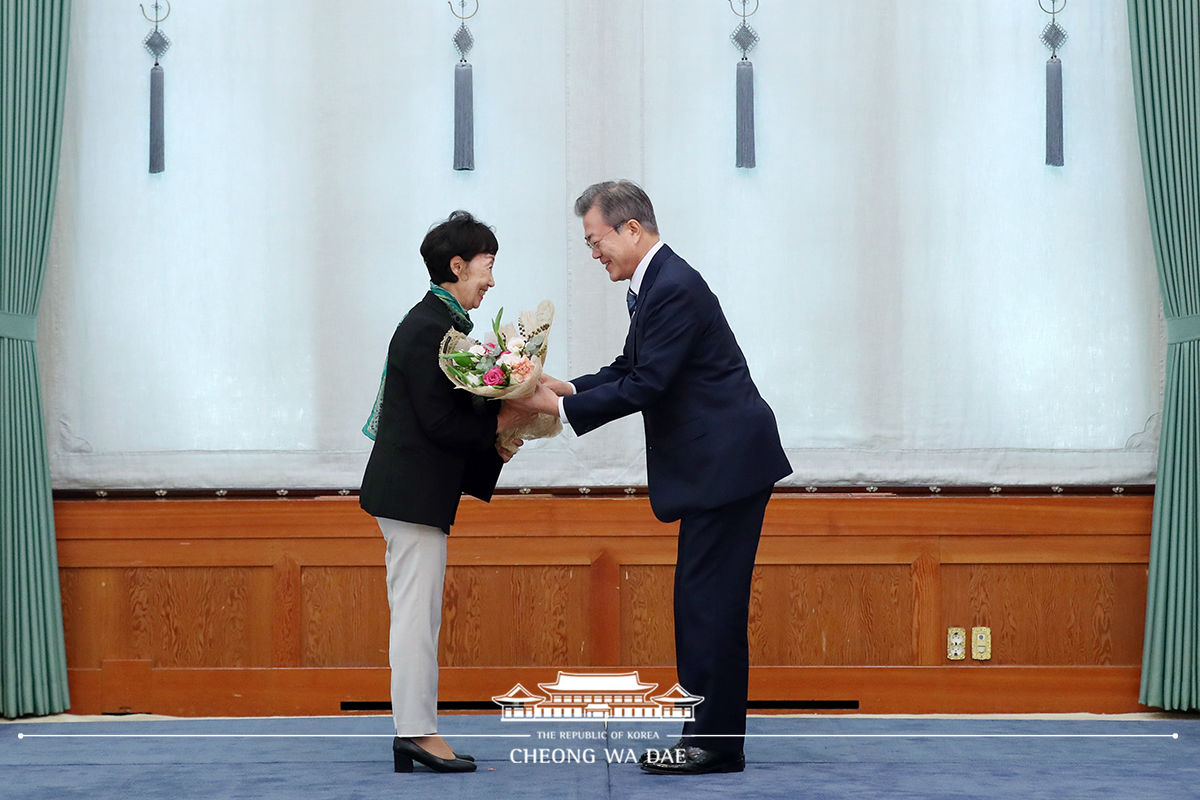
712,456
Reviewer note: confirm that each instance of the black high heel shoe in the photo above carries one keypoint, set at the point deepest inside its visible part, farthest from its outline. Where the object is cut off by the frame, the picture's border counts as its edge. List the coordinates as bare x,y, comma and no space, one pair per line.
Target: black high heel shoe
405,752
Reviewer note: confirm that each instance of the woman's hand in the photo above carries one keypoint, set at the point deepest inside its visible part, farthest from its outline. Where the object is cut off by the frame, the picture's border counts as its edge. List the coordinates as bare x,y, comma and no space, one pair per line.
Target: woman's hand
506,454
513,413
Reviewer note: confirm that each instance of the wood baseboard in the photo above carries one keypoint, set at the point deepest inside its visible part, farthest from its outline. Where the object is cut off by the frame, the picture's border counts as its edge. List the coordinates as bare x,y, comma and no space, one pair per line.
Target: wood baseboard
282,691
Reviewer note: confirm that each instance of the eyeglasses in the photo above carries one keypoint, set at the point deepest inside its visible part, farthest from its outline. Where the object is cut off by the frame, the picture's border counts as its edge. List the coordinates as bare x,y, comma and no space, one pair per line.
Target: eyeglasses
594,246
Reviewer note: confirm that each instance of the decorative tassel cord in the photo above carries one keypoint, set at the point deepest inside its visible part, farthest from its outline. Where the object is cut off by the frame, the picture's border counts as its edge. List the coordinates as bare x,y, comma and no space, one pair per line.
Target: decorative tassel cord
464,121
1054,113
157,162
745,113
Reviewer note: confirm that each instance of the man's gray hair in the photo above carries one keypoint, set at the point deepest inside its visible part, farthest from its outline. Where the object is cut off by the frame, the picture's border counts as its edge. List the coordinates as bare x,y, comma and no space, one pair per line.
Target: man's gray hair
618,201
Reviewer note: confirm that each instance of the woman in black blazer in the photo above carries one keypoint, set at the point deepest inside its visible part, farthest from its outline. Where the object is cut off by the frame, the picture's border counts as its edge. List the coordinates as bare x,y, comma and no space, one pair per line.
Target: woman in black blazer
433,444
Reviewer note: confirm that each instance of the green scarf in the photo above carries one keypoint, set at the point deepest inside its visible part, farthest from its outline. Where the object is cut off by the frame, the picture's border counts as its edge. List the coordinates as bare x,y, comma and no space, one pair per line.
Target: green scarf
458,317
461,322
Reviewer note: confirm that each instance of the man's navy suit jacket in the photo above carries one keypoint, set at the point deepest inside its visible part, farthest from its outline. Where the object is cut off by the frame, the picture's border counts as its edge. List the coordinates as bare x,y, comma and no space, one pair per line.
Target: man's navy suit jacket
710,437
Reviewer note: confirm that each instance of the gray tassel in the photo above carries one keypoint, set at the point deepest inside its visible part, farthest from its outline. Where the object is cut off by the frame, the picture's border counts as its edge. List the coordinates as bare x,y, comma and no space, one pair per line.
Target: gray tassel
156,119
1054,113
464,118
745,114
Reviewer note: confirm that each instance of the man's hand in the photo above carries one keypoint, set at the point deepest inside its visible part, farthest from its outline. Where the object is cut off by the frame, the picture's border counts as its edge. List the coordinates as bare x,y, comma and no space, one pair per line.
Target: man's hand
560,388
542,401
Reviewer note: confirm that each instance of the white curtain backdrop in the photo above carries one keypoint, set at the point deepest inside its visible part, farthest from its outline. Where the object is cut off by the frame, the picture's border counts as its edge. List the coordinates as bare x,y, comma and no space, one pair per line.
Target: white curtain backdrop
920,298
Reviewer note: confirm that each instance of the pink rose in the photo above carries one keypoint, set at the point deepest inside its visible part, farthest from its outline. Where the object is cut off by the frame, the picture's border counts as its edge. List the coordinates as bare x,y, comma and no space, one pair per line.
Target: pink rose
494,376
522,369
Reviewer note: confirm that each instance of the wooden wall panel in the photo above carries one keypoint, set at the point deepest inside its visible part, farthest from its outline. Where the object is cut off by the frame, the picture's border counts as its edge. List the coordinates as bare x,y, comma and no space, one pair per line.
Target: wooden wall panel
647,628
1051,613
832,614
279,606
90,626
193,616
201,616
498,616
344,616
789,615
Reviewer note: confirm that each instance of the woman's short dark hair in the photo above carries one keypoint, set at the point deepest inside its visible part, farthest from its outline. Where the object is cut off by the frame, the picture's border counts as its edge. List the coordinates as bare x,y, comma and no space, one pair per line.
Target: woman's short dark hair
459,235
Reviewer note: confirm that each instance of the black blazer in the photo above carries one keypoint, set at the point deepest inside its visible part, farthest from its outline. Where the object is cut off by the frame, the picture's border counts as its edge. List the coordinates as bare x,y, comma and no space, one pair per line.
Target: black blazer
711,439
435,442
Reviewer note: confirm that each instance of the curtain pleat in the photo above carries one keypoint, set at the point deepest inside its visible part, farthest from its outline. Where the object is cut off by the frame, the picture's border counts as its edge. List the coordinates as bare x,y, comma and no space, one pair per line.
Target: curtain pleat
33,60
1165,48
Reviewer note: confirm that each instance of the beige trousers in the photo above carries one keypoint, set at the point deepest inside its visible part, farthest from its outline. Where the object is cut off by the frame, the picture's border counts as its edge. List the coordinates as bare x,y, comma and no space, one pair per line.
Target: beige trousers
416,570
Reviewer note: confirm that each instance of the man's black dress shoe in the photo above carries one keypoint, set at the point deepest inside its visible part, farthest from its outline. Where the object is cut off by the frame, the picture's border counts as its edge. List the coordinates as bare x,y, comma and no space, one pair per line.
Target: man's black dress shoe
661,754
405,752
696,761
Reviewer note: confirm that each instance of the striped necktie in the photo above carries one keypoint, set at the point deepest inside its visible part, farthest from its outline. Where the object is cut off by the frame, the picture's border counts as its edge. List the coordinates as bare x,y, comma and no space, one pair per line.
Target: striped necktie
630,300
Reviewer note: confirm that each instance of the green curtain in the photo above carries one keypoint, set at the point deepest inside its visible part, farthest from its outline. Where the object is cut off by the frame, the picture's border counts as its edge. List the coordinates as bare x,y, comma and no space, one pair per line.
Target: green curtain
1164,39
33,65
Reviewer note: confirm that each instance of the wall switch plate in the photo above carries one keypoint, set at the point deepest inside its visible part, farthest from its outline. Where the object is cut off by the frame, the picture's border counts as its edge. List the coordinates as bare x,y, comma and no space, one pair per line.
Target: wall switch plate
956,644
981,644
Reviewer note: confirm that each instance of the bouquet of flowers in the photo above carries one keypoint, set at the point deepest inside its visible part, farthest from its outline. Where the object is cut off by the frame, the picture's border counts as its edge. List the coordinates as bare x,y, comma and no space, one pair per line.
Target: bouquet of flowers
507,367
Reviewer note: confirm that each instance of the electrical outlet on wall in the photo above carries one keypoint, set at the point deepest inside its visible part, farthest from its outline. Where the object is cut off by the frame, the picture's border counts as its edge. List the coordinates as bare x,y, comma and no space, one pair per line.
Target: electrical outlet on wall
956,644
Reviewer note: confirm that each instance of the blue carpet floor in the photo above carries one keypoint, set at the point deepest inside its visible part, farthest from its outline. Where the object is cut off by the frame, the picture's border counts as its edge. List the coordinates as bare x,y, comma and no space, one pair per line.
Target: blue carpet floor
818,757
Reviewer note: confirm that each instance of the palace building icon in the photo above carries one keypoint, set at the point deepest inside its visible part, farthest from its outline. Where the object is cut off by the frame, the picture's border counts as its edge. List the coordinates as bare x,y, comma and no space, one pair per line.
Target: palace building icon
575,696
